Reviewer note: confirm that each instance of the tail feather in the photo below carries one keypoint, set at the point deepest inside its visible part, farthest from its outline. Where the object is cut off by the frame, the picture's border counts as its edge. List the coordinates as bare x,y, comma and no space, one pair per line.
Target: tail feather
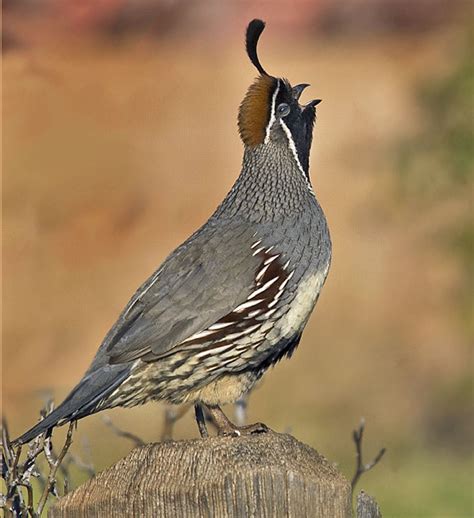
82,401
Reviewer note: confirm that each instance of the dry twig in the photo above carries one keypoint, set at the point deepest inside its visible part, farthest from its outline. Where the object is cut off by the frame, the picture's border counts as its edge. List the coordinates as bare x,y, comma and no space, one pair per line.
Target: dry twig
54,465
18,476
240,410
172,414
361,468
122,433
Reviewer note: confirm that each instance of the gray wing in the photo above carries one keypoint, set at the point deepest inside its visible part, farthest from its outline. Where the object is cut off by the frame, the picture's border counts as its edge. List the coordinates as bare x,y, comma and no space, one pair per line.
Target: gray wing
200,282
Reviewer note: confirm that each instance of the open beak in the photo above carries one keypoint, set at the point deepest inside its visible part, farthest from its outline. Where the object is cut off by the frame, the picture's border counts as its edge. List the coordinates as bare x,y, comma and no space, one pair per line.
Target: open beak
313,103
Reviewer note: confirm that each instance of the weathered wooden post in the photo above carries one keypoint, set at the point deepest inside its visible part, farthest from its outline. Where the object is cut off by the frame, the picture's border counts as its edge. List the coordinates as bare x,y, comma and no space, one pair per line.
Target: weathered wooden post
265,475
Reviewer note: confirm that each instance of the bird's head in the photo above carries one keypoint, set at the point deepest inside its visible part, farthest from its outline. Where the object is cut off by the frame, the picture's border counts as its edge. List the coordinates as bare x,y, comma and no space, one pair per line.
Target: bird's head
271,112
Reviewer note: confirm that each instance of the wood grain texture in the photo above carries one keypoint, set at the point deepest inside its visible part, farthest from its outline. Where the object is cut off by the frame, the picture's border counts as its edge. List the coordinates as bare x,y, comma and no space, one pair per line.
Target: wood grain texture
367,507
266,475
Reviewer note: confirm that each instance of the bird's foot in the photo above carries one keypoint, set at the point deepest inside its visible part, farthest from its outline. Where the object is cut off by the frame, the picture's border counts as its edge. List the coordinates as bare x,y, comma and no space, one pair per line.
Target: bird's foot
237,431
225,427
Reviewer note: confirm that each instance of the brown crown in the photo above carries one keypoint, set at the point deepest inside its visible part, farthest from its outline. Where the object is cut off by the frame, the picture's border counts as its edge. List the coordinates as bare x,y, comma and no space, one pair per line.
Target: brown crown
254,113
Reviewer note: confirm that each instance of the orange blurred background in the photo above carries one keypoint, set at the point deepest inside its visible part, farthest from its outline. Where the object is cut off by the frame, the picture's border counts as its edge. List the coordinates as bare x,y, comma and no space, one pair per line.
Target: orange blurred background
119,139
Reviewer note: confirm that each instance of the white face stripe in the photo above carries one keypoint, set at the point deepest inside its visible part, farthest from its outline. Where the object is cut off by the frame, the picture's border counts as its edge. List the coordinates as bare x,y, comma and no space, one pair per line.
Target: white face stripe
292,145
272,113
287,131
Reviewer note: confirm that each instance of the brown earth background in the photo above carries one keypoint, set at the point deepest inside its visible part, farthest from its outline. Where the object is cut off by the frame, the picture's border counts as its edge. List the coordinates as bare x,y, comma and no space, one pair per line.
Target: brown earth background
119,139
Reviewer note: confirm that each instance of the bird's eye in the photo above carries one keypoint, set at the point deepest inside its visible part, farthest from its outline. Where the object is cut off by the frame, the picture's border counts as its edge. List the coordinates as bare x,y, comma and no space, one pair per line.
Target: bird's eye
283,109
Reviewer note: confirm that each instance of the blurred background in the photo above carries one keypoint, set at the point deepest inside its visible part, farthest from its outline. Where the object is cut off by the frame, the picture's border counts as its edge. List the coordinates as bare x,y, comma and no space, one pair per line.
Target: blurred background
119,139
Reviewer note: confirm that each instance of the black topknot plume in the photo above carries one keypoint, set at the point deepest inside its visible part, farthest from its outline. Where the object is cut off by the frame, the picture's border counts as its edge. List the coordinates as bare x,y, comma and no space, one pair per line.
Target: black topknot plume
254,30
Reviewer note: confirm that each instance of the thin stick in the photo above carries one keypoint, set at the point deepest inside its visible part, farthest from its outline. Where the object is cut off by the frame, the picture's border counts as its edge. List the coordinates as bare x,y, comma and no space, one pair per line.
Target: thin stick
54,468
122,433
77,461
48,452
172,415
240,411
29,491
7,457
361,468
14,468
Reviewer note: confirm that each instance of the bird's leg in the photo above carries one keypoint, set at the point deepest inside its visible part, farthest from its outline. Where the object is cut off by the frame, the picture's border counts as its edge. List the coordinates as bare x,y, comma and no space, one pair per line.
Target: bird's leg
226,427
201,420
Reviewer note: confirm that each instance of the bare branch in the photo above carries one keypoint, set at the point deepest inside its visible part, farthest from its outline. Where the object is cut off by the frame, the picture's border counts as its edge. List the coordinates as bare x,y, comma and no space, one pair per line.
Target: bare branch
19,497
77,461
48,452
7,458
361,468
240,410
51,482
29,491
172,415
12,502
122,433
14,468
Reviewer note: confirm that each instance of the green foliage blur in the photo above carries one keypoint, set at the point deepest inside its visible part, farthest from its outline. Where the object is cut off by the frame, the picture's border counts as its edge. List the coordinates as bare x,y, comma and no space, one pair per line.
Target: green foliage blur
442,157
436,167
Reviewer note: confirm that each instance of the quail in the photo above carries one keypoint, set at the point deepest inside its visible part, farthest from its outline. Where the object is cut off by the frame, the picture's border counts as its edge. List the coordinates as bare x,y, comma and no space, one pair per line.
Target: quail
234,298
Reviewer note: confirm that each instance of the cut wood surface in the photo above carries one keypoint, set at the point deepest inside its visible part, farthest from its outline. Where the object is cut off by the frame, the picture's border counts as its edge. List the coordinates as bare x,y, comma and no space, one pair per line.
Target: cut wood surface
367,507
264,475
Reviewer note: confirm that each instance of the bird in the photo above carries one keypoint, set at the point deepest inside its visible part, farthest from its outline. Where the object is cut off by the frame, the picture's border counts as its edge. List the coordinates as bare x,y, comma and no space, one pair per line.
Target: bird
235,297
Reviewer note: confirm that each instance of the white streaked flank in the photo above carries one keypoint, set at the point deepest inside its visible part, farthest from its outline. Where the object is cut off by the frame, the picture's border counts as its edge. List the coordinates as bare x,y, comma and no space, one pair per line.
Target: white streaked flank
197,336
285,282
220,325
246,305
253,313
261,273
271,259
214,350
263,288
258,250
269,313
303,303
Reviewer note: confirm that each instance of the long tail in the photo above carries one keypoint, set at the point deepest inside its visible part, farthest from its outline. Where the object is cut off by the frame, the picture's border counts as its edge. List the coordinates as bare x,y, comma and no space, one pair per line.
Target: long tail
82,401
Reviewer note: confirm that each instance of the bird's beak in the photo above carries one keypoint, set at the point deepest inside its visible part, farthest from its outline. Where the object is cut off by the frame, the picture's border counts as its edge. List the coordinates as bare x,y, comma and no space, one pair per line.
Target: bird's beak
313,103
298,90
